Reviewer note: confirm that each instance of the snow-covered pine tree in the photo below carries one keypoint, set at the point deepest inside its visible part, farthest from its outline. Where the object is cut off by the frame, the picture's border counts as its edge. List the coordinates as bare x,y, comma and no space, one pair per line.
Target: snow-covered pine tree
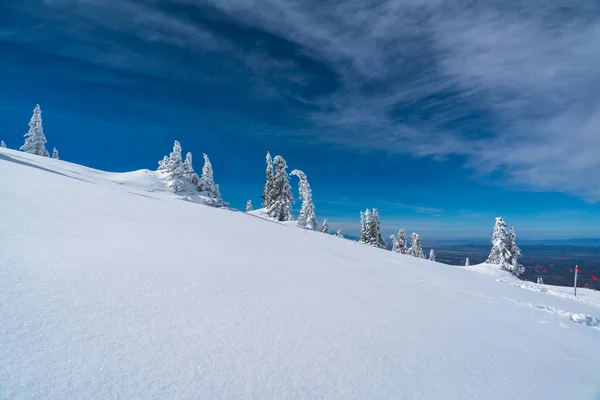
370,232
280,197
415,246
513,250
325,227
365,226
467,263
307,218
500,254
35,142
540,280
249,206
172,167
55,154
2,144
339,234
188,170
378,239
163,165
399,242
207,185
268,189
432,255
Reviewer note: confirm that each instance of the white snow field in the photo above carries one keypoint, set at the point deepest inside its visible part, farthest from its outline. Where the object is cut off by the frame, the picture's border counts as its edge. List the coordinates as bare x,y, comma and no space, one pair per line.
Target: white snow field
112,288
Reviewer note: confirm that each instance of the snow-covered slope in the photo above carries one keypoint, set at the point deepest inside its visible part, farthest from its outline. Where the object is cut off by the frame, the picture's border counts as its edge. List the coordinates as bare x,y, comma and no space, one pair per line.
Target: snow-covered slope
109,290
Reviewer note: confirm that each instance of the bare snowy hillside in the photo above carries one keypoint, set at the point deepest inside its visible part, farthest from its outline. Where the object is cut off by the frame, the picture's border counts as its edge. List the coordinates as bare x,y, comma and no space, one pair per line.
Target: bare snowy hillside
113,288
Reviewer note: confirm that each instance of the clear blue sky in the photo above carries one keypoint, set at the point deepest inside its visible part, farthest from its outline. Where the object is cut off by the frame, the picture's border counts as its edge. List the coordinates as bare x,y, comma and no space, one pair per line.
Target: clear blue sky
442,114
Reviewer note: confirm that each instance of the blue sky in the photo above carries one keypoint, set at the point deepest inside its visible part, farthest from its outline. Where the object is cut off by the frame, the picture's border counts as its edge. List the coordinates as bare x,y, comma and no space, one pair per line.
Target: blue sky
441,113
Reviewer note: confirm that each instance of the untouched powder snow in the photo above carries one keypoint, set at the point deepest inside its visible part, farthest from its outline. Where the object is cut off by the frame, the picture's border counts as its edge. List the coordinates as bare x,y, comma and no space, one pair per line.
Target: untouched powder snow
113,289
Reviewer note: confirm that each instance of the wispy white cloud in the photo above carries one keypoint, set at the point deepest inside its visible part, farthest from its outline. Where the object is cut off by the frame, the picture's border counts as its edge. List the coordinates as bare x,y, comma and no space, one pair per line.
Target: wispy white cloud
509,85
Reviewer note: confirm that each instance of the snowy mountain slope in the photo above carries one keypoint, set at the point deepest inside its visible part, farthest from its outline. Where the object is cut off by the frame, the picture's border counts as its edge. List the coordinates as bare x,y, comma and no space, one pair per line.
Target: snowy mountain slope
114,291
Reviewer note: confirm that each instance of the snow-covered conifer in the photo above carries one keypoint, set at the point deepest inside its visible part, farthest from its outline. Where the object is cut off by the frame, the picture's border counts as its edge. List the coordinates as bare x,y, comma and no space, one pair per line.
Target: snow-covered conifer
2,144
499,252
268,189
415,249
280,197
35,142
399,242
371,230
504,249
467,263
307,218
431,255
163,165
339,234
540,280
513,249
207,185
365,226
55,154
377,236
188,170
325,227
249,206
172,167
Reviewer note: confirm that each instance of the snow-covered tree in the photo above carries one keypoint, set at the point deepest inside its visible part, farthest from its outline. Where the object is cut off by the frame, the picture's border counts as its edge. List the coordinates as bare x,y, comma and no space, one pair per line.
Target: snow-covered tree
467,263
503,244
207,185
163,165
540,280
513,249
35,142
249,206
188,170
371,229
339,234
432,255
399,242
280,197
415,249
499,253
325,227
2,144
268,189
55,154
307,218
172,168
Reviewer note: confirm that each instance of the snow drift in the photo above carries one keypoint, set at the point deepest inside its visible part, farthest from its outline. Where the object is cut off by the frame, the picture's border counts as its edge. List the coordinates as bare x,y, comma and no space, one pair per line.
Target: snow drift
112,287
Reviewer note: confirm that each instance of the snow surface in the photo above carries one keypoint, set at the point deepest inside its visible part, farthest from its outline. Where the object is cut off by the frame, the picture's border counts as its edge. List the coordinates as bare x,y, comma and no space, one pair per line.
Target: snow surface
113,288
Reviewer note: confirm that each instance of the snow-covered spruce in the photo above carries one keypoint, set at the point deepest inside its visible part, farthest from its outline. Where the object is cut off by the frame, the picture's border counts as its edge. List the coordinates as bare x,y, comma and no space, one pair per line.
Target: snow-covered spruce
370,232
503,246
307,218
280,197
172,168
207,185
2,144
35,140
268,189
325,227
249,206
432,255
467,263
415,246
399,242
55,154
513,250
339,234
